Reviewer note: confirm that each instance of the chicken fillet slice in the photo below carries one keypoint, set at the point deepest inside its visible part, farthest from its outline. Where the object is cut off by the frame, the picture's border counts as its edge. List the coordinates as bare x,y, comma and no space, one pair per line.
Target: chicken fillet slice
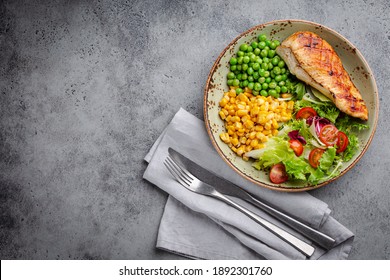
312,60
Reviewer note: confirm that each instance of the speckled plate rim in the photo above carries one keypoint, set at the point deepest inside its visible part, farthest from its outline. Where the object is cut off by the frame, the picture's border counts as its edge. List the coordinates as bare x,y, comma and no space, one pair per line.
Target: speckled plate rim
273,187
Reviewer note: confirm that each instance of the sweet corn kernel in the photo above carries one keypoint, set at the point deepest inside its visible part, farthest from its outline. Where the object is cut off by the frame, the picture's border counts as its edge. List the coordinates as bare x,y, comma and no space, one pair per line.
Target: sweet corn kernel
252,135
254,143
242,112
243,140
234,141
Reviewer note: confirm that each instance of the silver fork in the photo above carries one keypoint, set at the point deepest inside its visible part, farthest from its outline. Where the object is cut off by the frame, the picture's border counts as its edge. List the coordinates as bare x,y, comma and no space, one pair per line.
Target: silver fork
186,179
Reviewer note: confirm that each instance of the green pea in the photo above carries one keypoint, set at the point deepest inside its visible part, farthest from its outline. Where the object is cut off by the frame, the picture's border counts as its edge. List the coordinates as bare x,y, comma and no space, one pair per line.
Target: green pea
268,42
250,71
266,59
271,53
245,83
283,89
261,45
268,80
275,61
230,82
277,43
230,75
239,90
239,67
267,74
256,51
272,92
251,85
263,53
250,79
278,78
277,70
278,89
270,66
239,76
264,66
236,72
281,64
236,82
284,77
244,47
261,80
267,48
233,68
256,75
282,83
264,86
259,60
264,93
233,61
257,87
249,54
261,72
256,66
254,44
283,70
272,45
244,76
240,53
250,49
246,59
244,67
240,85
262,38
255,93
250,64
272,85
240,60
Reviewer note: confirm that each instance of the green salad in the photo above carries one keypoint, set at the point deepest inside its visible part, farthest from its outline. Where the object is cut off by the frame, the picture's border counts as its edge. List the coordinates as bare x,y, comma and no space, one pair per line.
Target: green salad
313,145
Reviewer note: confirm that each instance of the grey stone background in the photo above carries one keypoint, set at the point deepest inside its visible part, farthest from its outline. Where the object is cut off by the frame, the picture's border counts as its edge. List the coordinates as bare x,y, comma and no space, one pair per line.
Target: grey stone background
86,87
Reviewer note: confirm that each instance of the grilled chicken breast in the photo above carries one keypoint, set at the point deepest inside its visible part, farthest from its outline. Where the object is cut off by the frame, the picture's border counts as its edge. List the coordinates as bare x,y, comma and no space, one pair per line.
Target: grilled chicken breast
312,60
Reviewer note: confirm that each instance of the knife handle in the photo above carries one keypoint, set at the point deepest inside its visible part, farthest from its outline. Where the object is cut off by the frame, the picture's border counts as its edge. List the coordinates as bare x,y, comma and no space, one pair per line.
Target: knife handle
300,245
318,237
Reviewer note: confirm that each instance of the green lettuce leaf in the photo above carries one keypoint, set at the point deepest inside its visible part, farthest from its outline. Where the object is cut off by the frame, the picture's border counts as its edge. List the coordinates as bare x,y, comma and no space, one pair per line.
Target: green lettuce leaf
323,109
350,126
327,159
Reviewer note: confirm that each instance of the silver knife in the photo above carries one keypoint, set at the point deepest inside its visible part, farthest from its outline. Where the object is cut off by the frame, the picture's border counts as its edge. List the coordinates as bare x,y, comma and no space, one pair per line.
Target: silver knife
228,188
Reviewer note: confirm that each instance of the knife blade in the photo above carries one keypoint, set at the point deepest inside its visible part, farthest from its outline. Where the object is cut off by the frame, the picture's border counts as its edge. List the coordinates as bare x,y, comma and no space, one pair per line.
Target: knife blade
228,188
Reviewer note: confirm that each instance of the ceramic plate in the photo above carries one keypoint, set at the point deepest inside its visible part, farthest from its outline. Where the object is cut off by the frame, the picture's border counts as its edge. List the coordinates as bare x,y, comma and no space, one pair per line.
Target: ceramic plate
353,62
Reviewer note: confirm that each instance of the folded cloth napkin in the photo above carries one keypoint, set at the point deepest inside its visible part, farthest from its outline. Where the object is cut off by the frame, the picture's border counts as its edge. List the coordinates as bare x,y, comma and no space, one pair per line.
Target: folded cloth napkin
201,227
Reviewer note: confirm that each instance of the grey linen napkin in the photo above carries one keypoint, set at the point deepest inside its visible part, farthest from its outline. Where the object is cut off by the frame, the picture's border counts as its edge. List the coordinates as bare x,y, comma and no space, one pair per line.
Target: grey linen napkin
202,227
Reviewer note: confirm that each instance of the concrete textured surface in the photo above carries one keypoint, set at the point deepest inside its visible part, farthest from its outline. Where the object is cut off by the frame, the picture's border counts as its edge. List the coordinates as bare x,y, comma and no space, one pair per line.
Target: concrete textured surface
86,87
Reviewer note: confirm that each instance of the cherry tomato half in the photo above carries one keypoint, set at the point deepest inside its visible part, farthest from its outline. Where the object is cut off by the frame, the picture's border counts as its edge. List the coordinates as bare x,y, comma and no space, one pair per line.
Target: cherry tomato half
306,112
315,156
278,174
328,135
342,142
297,147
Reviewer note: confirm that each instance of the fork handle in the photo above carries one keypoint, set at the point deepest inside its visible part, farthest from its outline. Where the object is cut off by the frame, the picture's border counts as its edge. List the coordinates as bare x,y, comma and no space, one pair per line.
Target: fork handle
300,245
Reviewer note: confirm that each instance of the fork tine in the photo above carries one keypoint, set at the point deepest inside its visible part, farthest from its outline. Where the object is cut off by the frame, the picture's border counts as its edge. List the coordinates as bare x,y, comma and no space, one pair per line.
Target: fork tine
175,173
179,170
182,170
170,170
